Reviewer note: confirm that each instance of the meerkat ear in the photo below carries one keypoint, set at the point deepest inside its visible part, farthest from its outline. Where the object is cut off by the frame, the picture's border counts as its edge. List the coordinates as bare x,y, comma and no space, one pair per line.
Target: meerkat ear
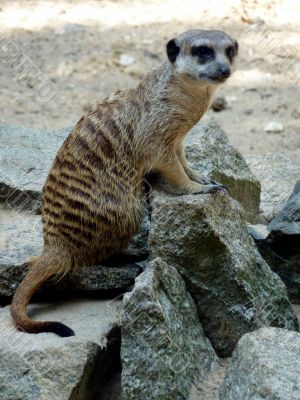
236,46
172,50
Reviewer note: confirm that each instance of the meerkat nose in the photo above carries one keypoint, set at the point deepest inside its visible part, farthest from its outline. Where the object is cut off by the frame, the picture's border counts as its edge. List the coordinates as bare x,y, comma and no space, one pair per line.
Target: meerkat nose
223,71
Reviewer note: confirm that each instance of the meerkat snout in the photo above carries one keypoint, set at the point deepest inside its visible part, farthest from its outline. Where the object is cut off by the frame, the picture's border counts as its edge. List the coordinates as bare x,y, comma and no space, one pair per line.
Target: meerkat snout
205,56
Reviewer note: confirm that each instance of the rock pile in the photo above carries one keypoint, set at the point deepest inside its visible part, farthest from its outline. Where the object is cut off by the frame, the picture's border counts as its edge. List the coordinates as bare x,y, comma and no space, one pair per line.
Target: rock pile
234,289
204,292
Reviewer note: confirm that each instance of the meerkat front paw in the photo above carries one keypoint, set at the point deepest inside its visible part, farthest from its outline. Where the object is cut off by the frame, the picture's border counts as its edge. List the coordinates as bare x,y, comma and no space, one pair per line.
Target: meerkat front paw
197,188
209,183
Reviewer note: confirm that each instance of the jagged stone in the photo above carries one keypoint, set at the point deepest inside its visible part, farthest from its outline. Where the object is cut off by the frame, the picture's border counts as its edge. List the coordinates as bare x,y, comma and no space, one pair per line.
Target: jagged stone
235,291
265,365
287,221
277,175
164,348
209,151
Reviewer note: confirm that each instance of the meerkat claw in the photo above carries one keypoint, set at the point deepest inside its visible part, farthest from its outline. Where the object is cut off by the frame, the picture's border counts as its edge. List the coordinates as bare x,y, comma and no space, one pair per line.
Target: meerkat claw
205,181
214,187
211,182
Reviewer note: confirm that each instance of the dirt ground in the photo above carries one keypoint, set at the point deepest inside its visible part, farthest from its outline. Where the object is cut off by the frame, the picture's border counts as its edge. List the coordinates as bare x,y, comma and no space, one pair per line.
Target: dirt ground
80,47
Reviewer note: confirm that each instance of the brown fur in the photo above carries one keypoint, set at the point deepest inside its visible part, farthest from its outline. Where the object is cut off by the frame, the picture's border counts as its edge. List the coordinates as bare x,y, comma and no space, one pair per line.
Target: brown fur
92,196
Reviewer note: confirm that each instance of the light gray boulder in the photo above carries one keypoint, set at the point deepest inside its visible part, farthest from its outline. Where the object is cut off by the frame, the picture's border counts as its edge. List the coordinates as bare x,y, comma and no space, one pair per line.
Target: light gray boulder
26,155
21,238
235,291
278,176
209,151
164,348
265,366
46,367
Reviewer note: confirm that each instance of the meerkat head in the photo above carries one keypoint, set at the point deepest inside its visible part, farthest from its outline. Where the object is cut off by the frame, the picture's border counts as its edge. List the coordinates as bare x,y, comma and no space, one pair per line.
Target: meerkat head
207,56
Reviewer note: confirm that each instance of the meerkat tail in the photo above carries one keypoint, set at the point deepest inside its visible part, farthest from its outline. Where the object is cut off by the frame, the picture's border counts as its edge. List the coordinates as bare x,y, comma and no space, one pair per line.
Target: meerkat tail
41,270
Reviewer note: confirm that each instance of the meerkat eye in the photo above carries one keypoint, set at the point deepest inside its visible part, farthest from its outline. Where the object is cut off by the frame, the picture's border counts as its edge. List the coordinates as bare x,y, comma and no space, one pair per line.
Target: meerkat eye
203,52
230,52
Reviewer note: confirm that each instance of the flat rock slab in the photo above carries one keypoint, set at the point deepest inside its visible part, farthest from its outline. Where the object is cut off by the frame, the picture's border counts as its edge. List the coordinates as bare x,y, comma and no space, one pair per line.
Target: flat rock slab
265,366
209,151
235,291
164,349
46,367
278,176
21,239
26,155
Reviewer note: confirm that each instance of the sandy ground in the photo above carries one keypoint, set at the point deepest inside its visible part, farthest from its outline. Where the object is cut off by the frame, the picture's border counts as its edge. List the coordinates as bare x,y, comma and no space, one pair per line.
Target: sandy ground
76,48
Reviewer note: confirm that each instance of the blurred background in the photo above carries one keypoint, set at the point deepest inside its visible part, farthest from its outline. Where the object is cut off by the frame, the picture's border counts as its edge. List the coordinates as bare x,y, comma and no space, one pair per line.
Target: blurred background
58,57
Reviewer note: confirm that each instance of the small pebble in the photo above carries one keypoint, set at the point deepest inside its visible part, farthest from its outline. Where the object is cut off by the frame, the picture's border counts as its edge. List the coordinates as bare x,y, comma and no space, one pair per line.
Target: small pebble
274,127
125,60
219,104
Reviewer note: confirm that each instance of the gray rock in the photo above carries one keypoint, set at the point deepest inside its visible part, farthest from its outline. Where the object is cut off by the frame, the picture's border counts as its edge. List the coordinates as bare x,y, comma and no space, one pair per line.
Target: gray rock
281,249
21,239
265,365
235,291
46,367
208,150
277,175
140,240
258,232
26,156
163,347
100,277
287,221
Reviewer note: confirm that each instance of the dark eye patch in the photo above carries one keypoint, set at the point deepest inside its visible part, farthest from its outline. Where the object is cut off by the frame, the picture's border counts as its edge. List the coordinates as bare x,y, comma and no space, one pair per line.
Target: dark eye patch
230,52
205,53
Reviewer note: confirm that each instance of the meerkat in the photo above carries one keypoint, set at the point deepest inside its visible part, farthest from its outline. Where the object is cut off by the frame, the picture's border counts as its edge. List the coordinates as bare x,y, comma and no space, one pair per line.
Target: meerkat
92,196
